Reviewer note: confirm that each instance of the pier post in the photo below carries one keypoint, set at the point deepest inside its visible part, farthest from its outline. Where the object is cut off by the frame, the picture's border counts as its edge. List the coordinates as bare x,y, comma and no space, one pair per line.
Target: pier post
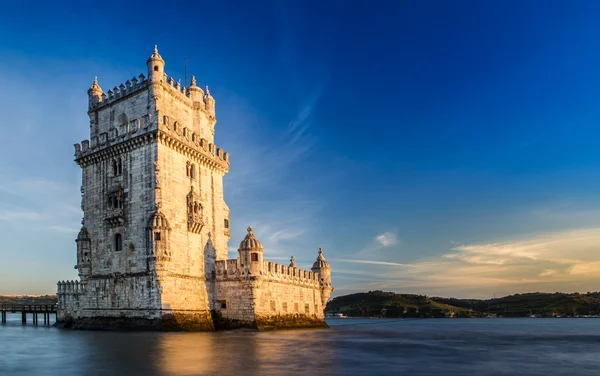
23,318
3,317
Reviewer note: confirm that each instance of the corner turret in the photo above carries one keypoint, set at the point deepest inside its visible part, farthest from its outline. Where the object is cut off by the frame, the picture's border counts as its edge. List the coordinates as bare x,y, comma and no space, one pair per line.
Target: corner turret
95,94
251,254
195,93
156,66
209,103
321,267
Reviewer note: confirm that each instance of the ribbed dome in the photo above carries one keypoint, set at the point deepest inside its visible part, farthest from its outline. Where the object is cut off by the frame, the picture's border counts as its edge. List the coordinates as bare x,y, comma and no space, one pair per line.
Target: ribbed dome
155,55
321,262
250,241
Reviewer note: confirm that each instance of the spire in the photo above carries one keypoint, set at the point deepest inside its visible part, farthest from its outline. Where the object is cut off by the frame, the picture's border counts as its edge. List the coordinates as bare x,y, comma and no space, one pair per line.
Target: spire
292,262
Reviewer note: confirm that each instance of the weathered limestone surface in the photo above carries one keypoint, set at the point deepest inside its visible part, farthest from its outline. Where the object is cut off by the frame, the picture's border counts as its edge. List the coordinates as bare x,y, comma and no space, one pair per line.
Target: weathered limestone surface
152,252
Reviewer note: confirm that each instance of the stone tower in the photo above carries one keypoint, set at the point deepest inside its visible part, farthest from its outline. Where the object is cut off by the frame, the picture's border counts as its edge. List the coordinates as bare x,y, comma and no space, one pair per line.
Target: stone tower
152,251
155,220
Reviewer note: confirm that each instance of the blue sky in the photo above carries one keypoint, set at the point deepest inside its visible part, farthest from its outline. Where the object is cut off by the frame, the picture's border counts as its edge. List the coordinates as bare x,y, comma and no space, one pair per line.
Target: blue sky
434,147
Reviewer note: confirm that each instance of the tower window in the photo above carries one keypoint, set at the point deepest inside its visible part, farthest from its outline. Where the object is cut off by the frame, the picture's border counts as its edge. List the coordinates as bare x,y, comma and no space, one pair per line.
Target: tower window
157,236
117,167
193,171
118,243
226,223
254,256
156,68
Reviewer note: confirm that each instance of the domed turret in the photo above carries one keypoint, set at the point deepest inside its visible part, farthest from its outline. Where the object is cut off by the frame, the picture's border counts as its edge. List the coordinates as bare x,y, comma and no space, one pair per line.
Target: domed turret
209,103
95,93
251,254
156,66
195,92
322,268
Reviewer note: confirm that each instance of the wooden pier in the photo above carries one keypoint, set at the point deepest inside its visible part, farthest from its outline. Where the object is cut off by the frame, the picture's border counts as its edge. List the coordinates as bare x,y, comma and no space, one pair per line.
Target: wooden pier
35,309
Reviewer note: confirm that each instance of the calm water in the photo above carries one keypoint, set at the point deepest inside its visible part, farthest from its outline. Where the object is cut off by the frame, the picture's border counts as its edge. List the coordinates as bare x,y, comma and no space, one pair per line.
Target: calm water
350,347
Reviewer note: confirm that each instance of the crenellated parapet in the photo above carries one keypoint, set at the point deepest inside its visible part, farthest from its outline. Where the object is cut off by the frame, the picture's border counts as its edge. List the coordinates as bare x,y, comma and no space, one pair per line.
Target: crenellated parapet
123,138
231,270
118,93
70,288
192,145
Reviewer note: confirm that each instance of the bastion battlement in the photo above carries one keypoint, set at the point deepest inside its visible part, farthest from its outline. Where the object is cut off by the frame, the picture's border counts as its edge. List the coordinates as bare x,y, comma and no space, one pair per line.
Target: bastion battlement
70,287
231,269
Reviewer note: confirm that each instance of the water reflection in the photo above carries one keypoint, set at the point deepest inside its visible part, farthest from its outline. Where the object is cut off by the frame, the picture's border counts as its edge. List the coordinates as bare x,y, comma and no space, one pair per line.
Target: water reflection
350,347
270,353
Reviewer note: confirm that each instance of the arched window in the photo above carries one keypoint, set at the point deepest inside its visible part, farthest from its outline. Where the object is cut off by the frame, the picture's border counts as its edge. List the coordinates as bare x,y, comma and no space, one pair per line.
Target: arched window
165,119
115,168
156,68
118,243
187,169
226,223
193,171
175,126
120,166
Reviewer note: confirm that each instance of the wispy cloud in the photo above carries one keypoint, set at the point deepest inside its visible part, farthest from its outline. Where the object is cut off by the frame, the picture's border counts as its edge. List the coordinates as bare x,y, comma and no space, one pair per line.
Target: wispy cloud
371,262
559,261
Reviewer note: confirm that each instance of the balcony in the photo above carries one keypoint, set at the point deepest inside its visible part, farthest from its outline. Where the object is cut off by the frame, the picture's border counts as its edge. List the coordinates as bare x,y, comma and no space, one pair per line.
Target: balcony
195,223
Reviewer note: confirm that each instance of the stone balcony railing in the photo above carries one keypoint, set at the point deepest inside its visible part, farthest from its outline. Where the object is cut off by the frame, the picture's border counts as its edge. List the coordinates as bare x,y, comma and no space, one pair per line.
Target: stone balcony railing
115,217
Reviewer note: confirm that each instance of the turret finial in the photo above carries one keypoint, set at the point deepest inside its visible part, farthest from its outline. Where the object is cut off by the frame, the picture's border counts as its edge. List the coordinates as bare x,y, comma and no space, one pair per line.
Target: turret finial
320,257
155,49
249,229
207,91
193,83
292,262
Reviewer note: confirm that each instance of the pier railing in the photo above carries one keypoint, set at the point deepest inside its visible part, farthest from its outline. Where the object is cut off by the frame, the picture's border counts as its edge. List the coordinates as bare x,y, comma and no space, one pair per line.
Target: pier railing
45,309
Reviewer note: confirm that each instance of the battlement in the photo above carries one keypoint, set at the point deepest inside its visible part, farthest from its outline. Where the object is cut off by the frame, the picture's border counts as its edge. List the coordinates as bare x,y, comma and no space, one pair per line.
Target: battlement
225,269
70,288
279,271
180,137
171,134
122,91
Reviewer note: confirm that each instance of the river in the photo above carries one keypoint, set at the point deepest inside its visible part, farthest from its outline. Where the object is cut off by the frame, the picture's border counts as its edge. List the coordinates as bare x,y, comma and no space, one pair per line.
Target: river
350,347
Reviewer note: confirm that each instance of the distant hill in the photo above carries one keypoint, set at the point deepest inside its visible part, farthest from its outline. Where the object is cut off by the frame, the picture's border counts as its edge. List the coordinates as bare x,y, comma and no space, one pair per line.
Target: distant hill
28,299
540,304
389,304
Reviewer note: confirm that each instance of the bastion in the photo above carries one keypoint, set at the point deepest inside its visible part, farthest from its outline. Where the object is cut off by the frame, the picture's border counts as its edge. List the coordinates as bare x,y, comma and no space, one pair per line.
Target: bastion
152,250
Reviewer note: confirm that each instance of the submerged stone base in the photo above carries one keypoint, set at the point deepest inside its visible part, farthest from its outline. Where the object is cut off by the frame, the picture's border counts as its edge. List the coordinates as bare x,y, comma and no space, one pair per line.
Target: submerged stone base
289,321
193,322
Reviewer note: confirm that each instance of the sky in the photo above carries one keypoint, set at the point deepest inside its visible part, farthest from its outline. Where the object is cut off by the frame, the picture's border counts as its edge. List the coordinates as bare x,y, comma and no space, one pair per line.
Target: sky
430,147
